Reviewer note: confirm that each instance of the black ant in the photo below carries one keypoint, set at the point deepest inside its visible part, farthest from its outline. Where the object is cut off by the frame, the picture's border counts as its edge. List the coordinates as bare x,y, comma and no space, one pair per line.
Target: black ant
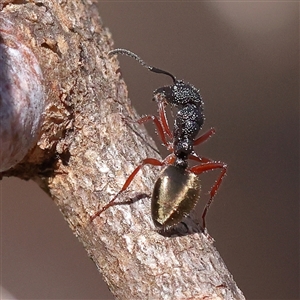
177,189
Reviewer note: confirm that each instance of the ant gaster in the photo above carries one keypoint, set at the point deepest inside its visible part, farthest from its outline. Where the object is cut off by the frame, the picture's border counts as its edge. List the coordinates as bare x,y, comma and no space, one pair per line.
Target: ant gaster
177,189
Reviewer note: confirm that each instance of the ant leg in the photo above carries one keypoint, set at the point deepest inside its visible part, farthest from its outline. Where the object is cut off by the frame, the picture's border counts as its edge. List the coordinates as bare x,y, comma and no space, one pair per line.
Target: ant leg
147,161
201,140
158,125
163,119
161,124
209,166
204,136
170,159
200,159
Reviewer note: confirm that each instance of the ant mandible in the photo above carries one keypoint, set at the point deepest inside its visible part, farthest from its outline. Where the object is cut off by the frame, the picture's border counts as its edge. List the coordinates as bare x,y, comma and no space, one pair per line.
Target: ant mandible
177,189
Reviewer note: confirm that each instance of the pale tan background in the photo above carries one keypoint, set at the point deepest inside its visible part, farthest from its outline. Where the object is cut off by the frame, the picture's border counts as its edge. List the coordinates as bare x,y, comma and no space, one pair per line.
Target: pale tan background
245,59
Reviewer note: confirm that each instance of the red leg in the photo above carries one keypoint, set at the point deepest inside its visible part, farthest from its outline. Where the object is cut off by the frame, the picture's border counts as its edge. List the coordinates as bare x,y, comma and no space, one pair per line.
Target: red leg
147,161
209,165
170,159
161,124
200,159
158,125
204,136
164,120
194,156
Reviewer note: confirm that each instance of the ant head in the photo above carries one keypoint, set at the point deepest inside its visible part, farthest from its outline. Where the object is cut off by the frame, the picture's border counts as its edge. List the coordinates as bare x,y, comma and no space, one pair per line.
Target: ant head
178,94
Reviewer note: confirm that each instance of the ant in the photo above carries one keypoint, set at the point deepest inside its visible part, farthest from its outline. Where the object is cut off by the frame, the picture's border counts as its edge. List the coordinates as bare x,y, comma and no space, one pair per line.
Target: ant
177,189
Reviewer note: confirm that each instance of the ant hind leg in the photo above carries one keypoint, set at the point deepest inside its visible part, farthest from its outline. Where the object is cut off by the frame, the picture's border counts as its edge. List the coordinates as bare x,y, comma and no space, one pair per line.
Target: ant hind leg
209,165
147,161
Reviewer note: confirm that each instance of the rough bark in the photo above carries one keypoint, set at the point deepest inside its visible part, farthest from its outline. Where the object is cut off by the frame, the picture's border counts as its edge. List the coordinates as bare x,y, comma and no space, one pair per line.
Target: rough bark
85,151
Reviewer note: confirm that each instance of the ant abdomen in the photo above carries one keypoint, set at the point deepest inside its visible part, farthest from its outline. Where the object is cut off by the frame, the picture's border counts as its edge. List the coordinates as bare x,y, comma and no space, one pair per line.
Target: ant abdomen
175,194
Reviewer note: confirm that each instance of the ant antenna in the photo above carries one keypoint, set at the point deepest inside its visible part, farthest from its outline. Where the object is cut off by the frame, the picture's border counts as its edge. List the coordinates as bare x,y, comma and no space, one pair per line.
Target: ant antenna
137,58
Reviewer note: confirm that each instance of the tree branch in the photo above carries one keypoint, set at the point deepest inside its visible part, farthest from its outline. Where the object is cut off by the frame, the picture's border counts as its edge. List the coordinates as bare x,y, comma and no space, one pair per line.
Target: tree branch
85,151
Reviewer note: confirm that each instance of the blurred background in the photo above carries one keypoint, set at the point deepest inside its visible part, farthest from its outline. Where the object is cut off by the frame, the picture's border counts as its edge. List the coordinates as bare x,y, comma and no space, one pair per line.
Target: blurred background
244,57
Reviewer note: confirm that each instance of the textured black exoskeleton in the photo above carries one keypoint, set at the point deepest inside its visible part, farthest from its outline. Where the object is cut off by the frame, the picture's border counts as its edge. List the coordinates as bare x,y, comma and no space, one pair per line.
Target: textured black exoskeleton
177,189
189,118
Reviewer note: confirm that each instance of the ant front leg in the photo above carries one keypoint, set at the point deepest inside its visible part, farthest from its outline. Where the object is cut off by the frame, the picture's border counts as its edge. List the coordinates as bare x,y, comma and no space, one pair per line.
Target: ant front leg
209,165
161,123
147,161
158,125
164,119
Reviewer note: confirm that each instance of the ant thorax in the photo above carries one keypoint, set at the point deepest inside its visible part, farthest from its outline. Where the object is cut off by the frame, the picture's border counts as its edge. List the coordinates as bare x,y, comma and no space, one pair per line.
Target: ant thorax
189,118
